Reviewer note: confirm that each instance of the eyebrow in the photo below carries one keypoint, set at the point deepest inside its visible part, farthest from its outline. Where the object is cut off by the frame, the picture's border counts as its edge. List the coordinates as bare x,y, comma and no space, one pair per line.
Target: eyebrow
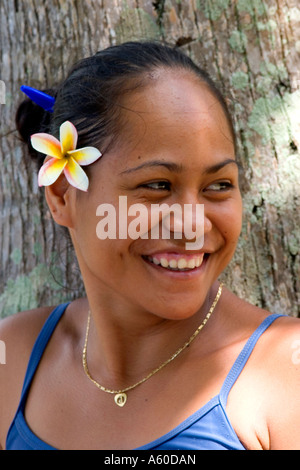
174,167
154,163
219,166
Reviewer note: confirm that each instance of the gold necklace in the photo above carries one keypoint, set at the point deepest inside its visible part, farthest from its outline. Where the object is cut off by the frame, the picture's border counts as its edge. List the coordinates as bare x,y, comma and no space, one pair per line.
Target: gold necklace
120,395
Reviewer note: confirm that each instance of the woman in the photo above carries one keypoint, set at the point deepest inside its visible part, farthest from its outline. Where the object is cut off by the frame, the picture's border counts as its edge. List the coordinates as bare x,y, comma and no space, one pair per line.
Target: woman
103,373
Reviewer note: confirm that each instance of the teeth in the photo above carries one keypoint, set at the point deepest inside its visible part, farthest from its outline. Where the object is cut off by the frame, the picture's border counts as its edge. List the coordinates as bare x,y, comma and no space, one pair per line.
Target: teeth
173,264
180,264
164,262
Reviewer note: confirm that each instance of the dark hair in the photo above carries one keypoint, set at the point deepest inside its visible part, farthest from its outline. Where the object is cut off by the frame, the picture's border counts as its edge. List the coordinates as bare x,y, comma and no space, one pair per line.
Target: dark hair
91,96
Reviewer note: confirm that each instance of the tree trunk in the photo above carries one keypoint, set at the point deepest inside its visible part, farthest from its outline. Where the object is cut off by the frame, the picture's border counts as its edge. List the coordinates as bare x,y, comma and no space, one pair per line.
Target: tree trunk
250,47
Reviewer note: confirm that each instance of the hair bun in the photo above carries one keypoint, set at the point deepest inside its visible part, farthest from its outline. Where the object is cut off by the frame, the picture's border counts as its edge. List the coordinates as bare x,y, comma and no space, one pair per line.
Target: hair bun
31,119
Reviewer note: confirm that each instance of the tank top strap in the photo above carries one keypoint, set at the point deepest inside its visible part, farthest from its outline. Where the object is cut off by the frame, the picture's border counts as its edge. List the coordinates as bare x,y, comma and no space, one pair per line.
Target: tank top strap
243,357
39,348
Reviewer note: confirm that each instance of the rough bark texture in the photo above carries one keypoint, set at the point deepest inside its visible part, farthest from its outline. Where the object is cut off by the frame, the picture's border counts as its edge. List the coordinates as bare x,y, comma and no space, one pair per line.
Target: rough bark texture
250,47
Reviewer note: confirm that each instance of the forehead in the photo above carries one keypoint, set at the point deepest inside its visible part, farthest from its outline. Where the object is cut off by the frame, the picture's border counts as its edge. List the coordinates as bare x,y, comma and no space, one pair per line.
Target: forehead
175,114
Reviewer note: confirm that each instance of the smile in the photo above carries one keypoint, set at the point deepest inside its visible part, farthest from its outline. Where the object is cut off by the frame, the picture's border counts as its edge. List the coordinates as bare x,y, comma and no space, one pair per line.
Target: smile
177,262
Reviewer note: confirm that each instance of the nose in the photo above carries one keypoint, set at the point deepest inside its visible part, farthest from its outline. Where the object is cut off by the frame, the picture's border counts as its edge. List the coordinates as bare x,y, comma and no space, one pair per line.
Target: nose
189,222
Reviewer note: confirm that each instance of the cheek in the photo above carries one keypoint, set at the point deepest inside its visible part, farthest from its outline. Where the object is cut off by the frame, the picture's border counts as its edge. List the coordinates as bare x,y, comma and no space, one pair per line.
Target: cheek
97,242
232,223
227,221
105,260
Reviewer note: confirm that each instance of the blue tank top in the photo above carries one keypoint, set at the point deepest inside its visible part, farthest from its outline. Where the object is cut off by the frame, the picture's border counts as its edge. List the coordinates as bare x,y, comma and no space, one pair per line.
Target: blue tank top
207,429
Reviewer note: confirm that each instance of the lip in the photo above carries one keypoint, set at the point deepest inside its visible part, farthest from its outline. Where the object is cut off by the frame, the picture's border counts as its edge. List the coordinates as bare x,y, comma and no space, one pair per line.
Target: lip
181,274
176,252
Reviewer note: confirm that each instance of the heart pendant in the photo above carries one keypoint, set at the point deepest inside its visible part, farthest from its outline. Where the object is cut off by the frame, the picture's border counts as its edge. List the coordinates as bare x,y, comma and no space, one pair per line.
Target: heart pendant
120,399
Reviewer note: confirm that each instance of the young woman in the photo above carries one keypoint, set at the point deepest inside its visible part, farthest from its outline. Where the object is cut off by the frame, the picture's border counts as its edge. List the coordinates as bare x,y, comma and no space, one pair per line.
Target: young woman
158,355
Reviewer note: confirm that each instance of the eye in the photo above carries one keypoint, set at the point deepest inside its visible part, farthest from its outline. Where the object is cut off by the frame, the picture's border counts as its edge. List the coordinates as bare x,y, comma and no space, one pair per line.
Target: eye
219,186
157,186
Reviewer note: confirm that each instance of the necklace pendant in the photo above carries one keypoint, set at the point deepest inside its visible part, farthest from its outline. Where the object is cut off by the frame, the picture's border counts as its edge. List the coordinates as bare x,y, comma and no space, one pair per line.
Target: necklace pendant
120,399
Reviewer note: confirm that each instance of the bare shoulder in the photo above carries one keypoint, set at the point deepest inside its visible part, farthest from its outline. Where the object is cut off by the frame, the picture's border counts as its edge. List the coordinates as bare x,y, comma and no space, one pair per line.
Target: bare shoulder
283,344
18,334
19,331
282,360
280,345
270,382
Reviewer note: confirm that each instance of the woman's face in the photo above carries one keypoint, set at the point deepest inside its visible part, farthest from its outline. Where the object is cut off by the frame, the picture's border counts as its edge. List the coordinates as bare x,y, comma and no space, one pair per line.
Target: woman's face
176,147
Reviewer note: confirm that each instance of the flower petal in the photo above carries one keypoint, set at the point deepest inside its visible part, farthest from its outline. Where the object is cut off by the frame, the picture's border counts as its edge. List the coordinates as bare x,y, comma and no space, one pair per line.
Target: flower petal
47,144
86,155
75,175
51,170
68,137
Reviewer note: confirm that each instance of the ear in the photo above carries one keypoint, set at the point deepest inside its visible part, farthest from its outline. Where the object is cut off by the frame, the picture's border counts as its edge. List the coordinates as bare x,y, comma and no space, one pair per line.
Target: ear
59,200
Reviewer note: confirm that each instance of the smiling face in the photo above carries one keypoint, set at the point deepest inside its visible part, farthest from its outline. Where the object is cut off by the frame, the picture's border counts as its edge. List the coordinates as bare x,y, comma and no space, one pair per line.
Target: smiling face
176,147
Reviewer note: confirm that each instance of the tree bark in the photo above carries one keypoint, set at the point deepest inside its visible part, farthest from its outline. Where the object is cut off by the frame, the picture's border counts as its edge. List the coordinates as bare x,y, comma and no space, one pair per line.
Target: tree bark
250,47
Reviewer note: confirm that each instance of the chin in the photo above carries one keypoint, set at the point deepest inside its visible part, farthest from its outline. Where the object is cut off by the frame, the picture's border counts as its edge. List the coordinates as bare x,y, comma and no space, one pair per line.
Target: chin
176,307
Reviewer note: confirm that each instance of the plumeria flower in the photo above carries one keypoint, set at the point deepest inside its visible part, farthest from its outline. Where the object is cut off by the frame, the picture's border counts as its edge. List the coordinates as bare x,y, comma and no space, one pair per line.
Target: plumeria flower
64,157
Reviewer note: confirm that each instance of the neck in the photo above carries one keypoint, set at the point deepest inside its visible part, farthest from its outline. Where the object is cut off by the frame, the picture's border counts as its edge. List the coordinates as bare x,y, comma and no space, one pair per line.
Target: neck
126,343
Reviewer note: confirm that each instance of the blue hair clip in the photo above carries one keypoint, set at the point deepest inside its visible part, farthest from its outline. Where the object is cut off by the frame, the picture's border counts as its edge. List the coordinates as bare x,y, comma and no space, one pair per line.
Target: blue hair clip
39,97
